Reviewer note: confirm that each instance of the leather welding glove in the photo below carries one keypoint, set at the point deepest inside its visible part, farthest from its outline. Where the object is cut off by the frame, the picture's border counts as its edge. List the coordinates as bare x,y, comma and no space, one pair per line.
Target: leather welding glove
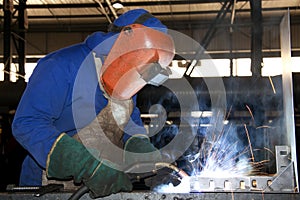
69,158
144,151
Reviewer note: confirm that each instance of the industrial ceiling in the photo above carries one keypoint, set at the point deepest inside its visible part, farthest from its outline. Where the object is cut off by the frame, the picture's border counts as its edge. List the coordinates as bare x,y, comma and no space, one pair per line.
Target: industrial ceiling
49,24
175,13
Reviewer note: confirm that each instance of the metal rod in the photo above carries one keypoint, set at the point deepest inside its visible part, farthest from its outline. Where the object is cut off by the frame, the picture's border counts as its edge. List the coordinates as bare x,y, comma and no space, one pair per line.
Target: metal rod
111,9
222,13
104,11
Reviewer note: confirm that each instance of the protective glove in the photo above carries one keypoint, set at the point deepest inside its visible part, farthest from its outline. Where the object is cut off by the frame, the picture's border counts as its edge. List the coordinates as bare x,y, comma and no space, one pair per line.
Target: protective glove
164,176
68,158
139,149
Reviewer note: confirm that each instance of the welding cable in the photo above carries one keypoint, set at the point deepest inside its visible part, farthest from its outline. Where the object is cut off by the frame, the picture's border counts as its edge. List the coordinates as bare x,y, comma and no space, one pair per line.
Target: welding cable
79,193
84,189
133,178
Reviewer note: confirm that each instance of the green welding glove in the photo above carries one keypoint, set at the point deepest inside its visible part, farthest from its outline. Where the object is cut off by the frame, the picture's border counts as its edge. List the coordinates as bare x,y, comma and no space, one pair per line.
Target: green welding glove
139,149
68,158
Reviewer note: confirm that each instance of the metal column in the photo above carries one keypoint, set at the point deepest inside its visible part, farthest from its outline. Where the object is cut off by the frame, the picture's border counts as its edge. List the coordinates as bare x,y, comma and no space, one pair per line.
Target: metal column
22,28
7,58
256,37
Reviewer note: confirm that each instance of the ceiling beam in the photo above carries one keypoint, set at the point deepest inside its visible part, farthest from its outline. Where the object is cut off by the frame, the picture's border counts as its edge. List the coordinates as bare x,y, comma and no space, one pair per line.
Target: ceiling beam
159,13
132,3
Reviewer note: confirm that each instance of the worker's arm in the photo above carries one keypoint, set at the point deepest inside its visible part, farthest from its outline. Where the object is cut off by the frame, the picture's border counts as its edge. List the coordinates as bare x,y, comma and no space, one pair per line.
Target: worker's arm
69,158
41,104
48,97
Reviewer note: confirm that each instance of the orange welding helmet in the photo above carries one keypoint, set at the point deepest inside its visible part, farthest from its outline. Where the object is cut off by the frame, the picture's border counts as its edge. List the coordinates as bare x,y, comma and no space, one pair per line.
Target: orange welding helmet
139,56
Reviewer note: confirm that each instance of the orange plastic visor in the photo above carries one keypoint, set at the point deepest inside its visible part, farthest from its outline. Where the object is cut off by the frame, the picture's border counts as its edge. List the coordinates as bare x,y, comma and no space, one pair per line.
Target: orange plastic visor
140,55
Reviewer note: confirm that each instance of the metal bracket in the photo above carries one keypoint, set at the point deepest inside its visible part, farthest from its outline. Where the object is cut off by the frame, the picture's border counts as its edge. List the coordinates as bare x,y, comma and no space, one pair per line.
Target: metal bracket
282,181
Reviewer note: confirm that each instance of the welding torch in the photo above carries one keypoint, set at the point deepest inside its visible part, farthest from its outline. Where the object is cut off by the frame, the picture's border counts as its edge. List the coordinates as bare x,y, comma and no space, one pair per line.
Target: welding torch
136,177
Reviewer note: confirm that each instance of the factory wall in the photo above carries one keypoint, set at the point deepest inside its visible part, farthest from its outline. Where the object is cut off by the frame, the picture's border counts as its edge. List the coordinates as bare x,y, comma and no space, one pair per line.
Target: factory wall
42,42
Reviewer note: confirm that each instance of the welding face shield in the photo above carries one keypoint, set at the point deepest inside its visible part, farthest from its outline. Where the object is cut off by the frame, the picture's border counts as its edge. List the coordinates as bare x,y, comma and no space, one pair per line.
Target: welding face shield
139,56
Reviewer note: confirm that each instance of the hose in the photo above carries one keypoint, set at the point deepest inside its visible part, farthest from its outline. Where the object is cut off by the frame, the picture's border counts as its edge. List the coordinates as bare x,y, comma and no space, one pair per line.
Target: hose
79,193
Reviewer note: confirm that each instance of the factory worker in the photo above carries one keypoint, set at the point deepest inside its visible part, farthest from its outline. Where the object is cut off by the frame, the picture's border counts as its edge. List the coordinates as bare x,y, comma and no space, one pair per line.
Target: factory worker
72,87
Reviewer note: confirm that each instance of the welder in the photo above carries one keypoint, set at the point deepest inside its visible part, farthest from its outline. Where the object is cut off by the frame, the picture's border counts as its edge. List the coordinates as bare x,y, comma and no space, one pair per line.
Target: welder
87,78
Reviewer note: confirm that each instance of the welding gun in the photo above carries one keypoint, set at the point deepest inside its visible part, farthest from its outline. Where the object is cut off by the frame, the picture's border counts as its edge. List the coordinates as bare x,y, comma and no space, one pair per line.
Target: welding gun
136,177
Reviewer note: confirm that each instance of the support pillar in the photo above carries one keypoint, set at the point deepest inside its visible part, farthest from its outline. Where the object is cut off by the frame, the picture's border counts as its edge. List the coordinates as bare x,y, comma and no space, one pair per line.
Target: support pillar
256,37
7,58
22,22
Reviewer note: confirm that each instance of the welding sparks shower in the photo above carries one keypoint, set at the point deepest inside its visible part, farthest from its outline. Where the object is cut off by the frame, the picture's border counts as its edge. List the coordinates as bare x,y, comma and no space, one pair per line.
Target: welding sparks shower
227,133
242,148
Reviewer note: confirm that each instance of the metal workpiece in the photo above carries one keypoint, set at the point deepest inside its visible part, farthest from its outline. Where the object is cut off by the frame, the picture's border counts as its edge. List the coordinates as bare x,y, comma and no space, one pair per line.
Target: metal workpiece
142,195
282,181
38,191
278,186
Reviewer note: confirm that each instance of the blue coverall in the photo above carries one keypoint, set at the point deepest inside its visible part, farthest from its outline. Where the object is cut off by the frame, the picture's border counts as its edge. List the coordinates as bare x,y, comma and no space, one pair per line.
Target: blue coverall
47,106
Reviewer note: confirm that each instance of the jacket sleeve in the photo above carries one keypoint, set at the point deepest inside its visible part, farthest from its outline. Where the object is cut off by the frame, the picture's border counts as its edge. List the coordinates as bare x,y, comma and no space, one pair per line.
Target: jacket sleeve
40,105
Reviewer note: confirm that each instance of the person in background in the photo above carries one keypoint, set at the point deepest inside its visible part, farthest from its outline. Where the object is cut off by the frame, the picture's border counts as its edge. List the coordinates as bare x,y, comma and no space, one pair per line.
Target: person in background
73,86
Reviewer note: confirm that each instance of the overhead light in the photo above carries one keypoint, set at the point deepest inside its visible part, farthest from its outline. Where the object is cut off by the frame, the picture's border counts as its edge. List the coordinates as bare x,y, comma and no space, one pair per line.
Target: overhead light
117,4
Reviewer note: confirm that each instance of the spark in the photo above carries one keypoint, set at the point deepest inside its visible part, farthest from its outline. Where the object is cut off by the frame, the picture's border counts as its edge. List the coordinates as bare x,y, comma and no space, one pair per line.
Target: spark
229,112
249,142
221,155
264,126
250,113
257,166
269,150
221,158
272,84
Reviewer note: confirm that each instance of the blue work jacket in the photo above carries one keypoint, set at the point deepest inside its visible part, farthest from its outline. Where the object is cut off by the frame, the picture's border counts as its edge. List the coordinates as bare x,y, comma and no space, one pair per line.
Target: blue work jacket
62,83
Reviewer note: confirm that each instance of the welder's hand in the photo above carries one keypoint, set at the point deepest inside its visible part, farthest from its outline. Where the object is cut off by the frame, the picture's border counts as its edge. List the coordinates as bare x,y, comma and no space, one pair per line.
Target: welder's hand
106,180
163,176
69,158
139,149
